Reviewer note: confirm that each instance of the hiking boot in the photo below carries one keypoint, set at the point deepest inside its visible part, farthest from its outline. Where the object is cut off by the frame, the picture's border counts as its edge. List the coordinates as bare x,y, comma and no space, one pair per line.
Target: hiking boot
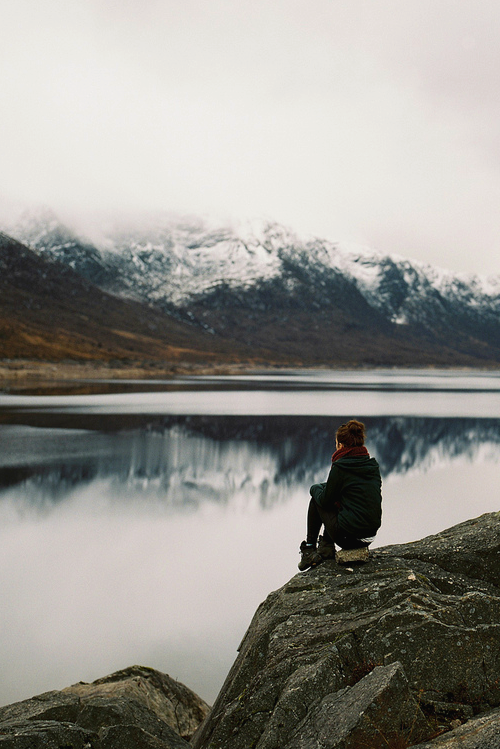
309,557
326,550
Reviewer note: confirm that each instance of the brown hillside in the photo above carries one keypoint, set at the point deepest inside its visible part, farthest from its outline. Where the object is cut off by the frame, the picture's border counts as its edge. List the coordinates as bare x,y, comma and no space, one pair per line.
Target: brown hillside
47,311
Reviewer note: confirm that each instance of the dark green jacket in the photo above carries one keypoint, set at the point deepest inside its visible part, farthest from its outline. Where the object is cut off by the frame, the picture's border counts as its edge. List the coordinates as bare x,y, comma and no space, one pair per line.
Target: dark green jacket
354,489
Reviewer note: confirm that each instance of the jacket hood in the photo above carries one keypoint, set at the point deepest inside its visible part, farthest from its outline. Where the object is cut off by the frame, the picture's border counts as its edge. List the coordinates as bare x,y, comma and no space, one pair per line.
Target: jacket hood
365,465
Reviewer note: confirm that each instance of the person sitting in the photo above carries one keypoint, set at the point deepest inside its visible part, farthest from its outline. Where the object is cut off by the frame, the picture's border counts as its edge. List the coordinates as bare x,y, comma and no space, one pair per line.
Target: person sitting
348,504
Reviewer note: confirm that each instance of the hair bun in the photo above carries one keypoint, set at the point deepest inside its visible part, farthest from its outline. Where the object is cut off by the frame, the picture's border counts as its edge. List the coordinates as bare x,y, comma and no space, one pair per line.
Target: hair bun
351,434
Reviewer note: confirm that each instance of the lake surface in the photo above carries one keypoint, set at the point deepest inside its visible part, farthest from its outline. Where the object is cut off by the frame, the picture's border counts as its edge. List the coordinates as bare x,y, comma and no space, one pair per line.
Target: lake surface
144,522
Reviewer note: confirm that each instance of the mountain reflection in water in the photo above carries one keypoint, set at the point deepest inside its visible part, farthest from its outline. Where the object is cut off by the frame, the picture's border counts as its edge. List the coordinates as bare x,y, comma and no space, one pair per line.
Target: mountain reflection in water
134,532
184,461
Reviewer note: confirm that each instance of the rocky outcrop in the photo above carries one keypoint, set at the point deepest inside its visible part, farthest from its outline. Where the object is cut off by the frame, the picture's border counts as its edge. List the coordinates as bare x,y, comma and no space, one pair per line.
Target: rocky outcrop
398,652
137,708
403,651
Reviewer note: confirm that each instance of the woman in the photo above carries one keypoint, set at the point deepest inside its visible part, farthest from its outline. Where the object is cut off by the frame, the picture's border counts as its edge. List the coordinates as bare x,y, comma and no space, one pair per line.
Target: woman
349,504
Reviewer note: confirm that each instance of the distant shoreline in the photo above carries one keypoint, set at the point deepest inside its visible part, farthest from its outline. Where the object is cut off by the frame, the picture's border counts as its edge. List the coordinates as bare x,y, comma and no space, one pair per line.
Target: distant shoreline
21,371
16,373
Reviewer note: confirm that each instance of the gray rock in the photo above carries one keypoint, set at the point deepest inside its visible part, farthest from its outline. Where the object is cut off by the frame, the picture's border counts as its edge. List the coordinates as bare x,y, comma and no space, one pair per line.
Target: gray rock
171,701
45,734
432,606
378,710
52,734
471,549
133,737
136,707
482,732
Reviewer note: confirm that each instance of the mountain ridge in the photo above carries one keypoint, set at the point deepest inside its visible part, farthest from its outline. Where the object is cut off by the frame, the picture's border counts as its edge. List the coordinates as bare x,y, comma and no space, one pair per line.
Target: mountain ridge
265,289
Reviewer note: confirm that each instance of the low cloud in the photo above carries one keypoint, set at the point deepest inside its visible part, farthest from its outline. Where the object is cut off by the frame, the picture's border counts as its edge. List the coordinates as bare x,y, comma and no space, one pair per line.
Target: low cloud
363,121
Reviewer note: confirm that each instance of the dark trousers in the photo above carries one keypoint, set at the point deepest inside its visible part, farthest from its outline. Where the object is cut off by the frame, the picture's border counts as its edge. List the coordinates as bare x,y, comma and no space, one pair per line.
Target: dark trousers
318,516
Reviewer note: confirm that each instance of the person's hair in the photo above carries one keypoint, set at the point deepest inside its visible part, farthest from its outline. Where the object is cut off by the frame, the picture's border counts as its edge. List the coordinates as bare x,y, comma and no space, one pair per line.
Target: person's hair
351,434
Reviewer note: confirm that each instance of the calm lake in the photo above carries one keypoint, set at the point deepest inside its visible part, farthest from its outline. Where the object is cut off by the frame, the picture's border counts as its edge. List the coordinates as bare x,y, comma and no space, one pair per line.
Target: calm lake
144,522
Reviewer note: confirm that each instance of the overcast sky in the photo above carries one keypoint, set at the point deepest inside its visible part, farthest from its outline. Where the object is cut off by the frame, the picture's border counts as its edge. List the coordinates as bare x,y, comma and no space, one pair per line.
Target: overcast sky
375,121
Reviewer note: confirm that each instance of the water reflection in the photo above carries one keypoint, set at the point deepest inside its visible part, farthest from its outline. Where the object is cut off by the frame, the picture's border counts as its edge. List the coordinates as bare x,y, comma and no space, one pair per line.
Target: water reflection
132,531
183,462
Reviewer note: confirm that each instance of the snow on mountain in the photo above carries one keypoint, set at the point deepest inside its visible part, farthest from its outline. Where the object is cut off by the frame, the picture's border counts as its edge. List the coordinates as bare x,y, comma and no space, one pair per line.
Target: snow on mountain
171,261
408,291
183,260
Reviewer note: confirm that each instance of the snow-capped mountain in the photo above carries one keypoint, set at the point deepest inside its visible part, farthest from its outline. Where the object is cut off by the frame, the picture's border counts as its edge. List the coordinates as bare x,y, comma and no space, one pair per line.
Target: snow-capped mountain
237,281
